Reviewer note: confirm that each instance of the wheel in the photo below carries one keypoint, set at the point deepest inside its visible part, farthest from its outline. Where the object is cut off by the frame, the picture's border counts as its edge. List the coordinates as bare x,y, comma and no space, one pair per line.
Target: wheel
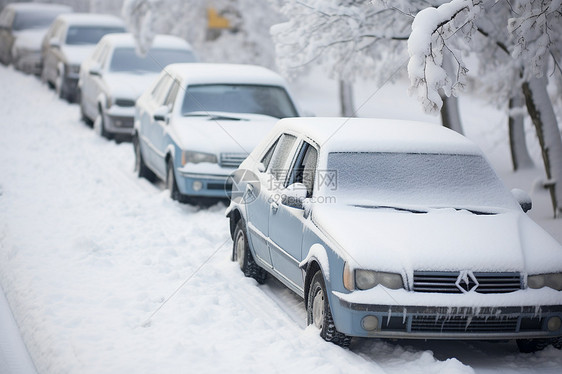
140,167
99,126
241,254
83,115
172,185
319,314
532,345
59,86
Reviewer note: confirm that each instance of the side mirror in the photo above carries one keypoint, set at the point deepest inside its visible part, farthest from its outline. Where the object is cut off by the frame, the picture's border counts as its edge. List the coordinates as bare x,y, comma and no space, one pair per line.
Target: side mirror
96,71
261,167
523,199
294,195
161,113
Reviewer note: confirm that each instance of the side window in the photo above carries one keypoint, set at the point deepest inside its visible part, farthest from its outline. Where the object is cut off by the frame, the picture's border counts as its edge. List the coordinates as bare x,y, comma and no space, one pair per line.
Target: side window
305,167
266,159
103,56
278,164
171,98
161,90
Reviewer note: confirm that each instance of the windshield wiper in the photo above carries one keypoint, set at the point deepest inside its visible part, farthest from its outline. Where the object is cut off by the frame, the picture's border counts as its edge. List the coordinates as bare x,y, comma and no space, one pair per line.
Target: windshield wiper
214,116
401,209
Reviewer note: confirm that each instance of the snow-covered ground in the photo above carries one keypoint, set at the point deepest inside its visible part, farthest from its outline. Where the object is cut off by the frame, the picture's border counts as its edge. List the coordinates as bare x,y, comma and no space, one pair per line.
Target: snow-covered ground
105,274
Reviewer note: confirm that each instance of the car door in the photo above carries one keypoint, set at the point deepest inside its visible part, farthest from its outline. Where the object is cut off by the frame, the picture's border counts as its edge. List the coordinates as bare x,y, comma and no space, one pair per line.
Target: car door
91,83
286,223
264,190
50,58
154,134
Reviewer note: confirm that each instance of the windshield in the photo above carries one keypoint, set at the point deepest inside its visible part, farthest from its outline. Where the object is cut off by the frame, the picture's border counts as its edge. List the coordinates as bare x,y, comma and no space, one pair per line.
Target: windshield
418,180
38,19
239,98
127,60
78,35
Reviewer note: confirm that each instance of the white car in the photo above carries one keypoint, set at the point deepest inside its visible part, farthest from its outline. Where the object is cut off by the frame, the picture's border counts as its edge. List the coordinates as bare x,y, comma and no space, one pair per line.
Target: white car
115,75
395,229
197,123
22,28
68,42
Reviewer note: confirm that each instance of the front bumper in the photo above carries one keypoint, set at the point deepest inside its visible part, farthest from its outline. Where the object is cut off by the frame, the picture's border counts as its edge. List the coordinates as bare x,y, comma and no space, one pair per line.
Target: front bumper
481,322
207,185
120,120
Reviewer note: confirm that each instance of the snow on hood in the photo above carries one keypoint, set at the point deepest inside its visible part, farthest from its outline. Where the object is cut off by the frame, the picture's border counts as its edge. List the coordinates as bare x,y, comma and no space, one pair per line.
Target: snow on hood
205,134
440,240
128,85
30,39
75,54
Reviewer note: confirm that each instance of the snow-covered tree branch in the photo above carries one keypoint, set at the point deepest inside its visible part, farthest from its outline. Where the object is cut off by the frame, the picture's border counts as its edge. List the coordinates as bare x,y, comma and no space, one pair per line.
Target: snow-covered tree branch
528,36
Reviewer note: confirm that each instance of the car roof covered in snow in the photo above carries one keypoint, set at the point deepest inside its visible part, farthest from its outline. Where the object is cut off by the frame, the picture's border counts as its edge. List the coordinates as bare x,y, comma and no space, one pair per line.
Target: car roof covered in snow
201,73
34,7
160,41
89,19
377,135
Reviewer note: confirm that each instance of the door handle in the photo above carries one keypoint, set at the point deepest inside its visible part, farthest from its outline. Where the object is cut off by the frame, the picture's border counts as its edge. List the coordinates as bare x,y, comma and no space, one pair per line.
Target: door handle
274,207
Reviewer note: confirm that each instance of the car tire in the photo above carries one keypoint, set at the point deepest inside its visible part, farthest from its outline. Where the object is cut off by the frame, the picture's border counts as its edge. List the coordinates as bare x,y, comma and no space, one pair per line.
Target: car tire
172,184
83,115
532,345
140,167
99,126
241,253
59,86
319,314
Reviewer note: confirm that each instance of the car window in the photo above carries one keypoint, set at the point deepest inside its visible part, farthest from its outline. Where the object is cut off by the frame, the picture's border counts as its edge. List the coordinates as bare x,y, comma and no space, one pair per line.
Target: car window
418,179
87,35
36,19
266,159
161,89
278,164
171,98
127,60
304,168
102,59
239,98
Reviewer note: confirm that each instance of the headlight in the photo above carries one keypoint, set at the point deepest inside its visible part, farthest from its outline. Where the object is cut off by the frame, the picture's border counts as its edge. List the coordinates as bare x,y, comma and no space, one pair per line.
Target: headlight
553,281
197,157
365,279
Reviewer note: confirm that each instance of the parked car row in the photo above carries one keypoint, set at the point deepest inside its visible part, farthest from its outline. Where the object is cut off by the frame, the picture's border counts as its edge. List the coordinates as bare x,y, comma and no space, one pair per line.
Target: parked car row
22,29
386,228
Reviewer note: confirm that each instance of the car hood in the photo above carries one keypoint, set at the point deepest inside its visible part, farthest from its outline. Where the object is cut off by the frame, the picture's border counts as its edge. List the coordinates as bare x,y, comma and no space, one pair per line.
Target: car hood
439,240
75,54
30,39
128,85
216,135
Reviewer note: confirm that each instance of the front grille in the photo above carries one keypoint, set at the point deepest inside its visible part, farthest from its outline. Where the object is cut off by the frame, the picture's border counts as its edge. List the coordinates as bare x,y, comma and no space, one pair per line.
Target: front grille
464,324
448,282
232,160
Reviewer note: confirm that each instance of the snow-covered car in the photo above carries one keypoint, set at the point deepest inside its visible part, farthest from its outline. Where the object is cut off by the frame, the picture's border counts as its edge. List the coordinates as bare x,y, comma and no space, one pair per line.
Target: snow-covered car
22,28
395,229
198,122
68,42
115,75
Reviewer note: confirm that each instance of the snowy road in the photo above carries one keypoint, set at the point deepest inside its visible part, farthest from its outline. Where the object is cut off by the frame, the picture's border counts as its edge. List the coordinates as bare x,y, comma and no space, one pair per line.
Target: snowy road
105,274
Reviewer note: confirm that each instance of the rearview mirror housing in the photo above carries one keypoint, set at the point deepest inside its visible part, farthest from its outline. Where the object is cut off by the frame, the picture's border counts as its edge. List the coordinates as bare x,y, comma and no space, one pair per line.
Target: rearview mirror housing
523,199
